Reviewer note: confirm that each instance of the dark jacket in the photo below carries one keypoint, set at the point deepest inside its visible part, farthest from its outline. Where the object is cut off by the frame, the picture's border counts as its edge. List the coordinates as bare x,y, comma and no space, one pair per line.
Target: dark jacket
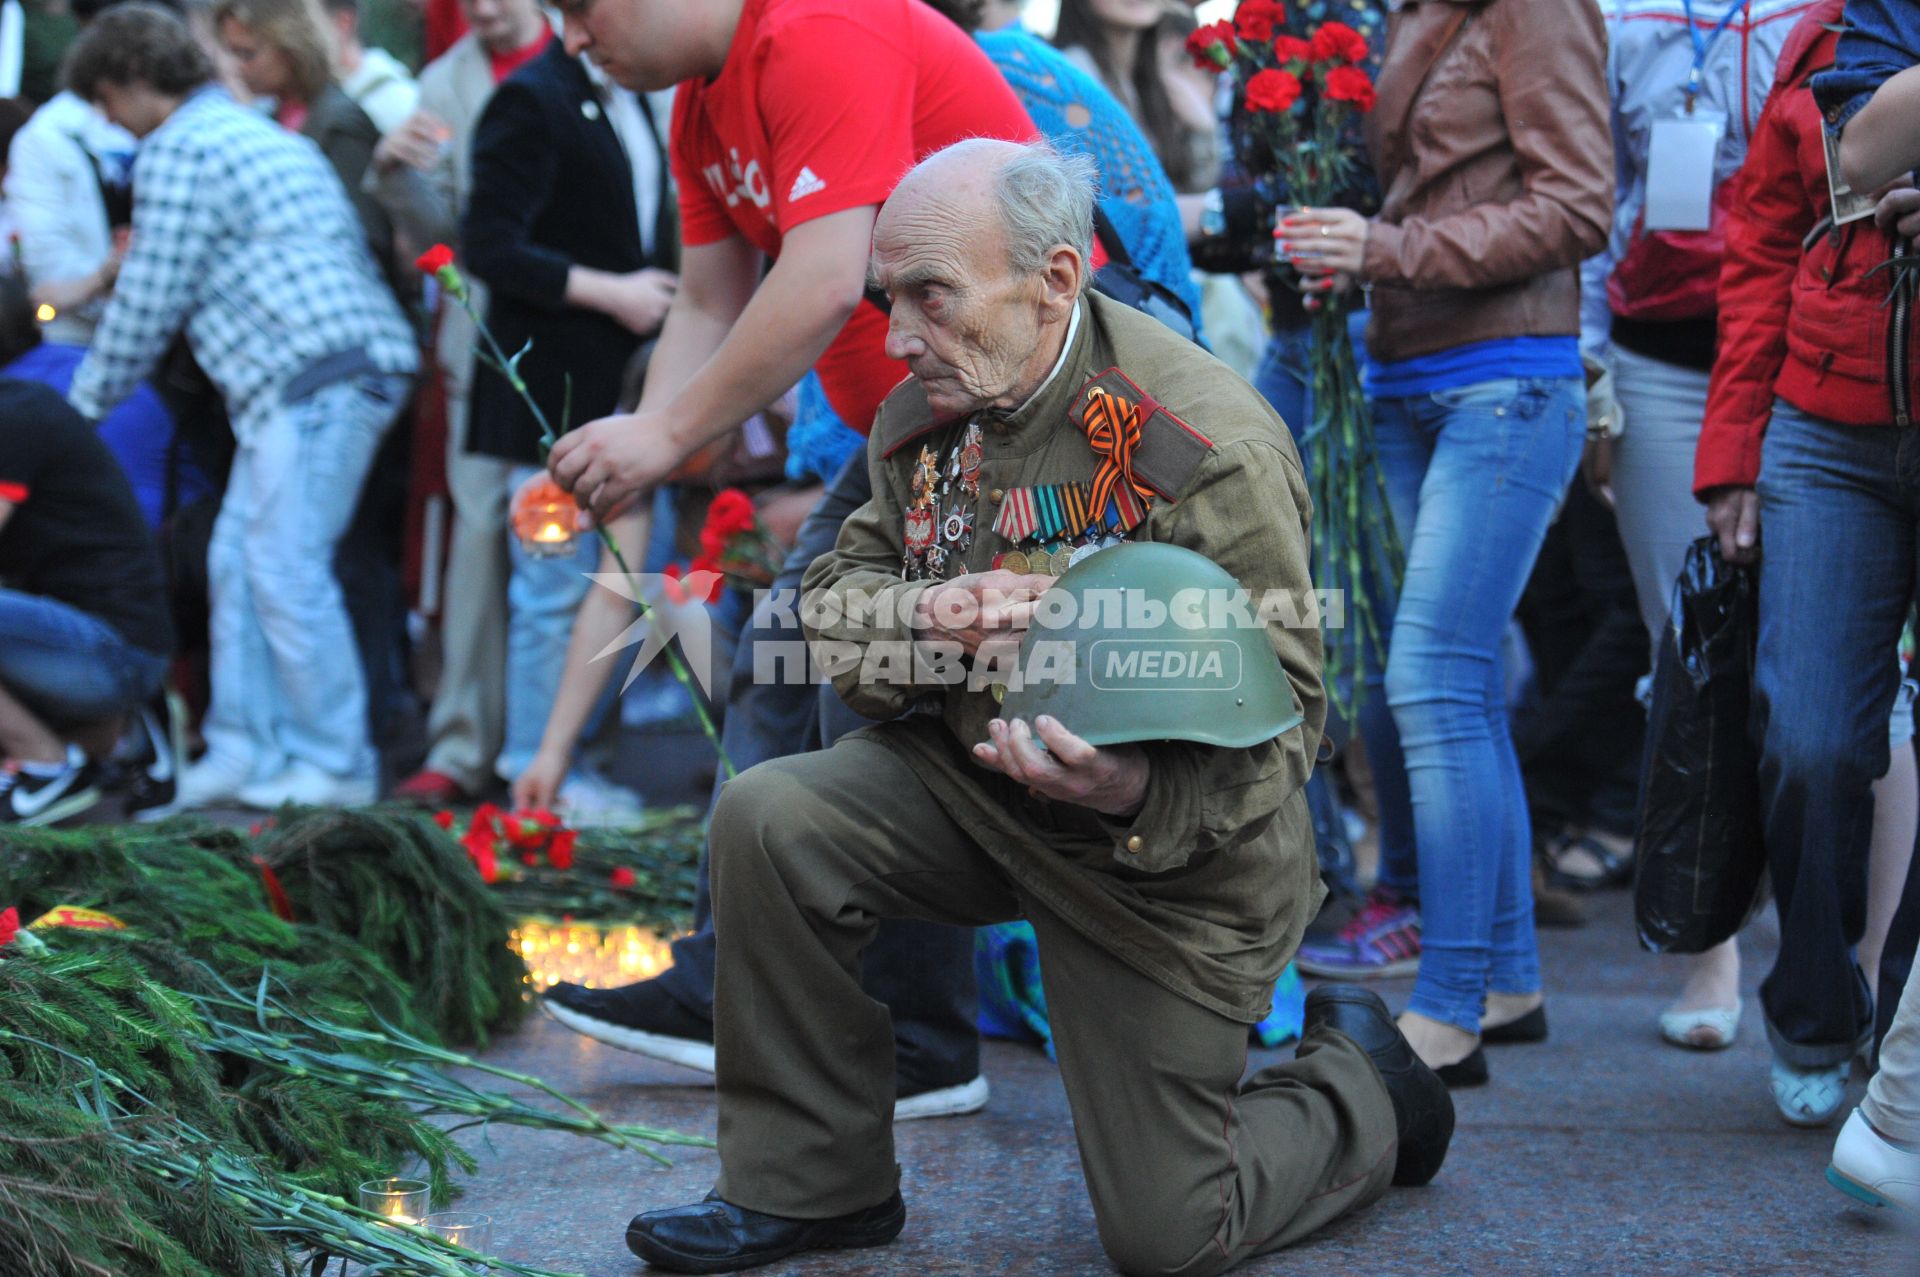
1808,312
346,136
552,189
1493,146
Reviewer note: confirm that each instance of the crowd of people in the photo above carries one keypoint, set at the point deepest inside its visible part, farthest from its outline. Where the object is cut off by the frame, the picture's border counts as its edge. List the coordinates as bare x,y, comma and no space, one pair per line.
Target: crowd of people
1622,275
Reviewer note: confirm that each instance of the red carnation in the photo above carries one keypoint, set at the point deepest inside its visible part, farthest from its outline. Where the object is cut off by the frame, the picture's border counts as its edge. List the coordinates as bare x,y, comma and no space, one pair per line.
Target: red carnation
482,841
438,262
481,849
1291,48
1273,91
560,850
434,260
731,512
9,925
1212,46
1349,84
1255,20
530,828
1338,42
623,877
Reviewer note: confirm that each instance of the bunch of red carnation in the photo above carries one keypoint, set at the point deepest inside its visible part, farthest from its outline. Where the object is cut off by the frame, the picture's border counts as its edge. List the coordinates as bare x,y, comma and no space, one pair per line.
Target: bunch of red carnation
1277,64
532,835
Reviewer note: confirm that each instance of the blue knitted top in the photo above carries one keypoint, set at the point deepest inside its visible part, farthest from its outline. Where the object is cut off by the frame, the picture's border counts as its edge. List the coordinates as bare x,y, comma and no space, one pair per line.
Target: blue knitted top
1077,114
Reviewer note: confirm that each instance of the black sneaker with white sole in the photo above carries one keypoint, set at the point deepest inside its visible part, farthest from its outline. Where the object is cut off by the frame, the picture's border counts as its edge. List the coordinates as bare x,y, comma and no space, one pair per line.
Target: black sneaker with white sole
42,793
642,1018
647,1020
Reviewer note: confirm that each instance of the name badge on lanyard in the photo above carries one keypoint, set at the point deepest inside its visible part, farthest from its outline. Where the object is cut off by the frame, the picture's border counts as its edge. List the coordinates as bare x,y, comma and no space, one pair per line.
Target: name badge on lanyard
1683,151
1680,168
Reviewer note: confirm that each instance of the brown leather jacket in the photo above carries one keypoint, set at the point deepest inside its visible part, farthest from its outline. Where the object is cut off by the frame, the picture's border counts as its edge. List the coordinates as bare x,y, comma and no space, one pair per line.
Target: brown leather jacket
1492,142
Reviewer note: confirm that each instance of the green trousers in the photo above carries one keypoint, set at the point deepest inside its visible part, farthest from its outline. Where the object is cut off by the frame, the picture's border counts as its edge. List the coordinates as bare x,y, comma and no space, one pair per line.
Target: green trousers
1189,1171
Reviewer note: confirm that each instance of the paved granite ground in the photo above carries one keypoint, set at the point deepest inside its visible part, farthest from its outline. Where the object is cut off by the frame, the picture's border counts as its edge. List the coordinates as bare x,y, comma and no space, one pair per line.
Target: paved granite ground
1601,1151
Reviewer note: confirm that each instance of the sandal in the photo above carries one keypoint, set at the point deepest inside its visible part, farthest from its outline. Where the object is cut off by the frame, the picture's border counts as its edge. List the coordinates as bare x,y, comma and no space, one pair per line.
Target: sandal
1708,1029
1615,870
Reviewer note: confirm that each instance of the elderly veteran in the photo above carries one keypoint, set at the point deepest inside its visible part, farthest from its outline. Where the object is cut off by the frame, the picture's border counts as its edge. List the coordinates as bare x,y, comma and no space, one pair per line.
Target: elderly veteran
1168,882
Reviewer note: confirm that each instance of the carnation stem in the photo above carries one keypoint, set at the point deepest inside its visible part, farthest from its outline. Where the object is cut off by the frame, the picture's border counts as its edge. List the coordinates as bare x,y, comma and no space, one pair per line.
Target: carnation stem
497,359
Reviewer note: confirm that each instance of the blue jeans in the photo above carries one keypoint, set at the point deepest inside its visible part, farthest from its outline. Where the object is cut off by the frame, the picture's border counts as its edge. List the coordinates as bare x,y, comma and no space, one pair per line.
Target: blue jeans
286,673
1474,475
1840,523
69,668
543,597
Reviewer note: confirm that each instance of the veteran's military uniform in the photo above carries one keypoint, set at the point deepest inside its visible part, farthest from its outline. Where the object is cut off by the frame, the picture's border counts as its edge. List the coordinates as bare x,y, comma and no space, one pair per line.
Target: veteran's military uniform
1161,935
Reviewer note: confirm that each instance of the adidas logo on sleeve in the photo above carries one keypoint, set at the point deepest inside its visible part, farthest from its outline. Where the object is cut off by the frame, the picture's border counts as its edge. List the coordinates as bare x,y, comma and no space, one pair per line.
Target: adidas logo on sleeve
808,183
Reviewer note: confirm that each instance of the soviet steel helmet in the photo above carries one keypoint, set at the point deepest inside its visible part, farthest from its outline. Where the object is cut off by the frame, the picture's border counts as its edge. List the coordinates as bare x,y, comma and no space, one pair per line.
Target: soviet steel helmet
1140,642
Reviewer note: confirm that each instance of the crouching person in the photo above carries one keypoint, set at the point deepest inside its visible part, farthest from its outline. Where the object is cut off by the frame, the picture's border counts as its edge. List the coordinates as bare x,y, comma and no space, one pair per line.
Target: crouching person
1168,879
85,633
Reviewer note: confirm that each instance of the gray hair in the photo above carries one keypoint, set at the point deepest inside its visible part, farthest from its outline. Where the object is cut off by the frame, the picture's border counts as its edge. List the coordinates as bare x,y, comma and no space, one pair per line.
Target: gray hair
1046,199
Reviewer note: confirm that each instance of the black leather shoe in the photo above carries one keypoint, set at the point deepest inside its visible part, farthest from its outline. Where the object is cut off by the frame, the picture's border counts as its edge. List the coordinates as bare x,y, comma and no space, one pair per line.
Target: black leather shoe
718,1237
1471,1071
1531,1027
1422,1109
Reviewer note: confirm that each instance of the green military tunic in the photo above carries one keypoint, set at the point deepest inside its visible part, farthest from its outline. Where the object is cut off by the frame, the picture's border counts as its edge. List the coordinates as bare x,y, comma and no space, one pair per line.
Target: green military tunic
1208,889
1159,937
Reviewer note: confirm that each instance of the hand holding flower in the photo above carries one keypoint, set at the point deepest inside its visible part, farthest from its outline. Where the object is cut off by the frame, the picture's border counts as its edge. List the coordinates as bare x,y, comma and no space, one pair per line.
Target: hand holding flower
1327,245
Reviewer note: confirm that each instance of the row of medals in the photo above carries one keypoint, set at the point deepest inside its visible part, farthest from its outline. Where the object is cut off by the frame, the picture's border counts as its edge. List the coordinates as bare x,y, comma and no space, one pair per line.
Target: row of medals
940,520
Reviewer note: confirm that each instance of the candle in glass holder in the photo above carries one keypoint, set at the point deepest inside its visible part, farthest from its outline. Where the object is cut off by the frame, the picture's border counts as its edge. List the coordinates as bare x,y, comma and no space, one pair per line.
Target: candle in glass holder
467,1229
545,518
400,1201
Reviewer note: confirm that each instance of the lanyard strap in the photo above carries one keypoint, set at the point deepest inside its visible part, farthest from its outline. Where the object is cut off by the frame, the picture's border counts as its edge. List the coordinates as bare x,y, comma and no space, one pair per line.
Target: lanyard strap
1702,45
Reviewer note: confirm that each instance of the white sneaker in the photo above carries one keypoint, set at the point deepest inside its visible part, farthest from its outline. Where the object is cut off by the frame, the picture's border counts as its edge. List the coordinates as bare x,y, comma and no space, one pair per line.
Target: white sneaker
208,783
1869,1169
588,801
1809,1097
947,1101
305,785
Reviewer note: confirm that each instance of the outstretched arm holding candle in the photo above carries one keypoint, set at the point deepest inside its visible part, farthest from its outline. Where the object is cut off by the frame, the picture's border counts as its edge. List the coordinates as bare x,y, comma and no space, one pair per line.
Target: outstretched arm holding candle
731,349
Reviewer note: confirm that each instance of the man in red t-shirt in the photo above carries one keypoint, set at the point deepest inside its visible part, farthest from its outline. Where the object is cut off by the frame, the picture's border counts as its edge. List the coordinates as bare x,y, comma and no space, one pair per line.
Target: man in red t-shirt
793,122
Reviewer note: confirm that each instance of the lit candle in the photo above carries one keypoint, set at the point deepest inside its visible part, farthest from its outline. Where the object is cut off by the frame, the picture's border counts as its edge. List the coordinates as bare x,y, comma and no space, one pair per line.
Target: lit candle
545,517
467,1229
397,1201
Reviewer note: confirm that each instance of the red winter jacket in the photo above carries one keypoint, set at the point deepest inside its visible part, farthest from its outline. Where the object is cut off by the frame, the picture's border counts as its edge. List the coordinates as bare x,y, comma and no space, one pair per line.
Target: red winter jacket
1810,324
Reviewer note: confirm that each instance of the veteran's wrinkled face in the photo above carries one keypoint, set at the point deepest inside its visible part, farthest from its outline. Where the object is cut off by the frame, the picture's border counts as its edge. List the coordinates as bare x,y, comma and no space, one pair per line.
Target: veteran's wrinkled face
969,328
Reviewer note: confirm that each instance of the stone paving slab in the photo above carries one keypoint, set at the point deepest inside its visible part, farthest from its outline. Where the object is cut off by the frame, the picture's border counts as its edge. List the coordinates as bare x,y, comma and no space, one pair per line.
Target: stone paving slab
1601,1151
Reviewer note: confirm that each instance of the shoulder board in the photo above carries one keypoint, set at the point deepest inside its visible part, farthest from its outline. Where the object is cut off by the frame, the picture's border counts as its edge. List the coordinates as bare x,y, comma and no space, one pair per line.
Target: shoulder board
1170,450
903,417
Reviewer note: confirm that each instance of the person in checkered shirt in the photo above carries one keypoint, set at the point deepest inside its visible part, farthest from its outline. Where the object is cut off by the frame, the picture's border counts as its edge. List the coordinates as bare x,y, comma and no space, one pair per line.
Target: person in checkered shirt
244,239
